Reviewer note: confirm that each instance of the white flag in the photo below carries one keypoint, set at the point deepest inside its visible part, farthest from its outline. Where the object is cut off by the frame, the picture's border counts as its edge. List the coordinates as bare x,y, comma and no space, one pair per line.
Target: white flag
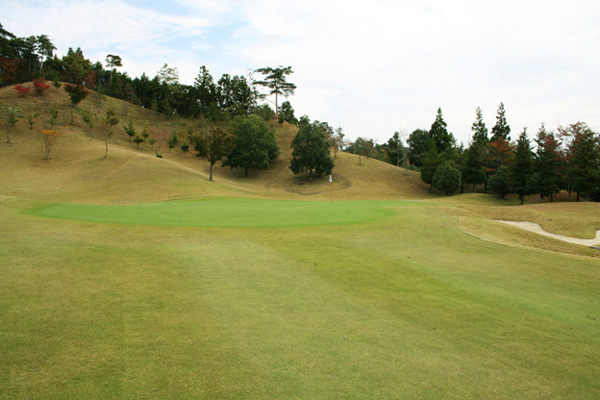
330,180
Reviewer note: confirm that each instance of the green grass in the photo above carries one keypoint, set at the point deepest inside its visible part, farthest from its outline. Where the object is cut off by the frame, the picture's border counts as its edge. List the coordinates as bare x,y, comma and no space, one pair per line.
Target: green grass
407,306
109,289
229,212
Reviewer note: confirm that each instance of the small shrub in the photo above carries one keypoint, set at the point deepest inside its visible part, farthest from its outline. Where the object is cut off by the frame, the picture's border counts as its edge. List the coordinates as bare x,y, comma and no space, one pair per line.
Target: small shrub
130,130
22,91
173,140
76,93
40,86
138,139
31,119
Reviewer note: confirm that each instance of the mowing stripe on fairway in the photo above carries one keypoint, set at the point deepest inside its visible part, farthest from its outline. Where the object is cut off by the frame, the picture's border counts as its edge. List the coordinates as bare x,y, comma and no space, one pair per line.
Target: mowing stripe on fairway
238,213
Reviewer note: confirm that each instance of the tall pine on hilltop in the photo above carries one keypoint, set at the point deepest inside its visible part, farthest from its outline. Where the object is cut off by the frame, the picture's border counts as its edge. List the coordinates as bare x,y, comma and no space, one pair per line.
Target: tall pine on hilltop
501,130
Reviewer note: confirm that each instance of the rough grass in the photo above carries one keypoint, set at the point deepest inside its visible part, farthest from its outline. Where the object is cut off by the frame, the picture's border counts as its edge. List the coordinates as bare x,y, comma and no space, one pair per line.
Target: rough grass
408,304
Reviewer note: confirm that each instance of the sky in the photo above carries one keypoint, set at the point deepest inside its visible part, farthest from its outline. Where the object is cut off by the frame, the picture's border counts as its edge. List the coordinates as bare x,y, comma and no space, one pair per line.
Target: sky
371,67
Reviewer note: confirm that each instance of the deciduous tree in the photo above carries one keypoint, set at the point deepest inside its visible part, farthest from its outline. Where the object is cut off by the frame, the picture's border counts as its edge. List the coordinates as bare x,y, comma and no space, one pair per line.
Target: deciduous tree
500,181
213,143
76,93
11,115
49,139
22,90
418,144
336,141
110,120
40,86
447,178
310,151
254,144
363,147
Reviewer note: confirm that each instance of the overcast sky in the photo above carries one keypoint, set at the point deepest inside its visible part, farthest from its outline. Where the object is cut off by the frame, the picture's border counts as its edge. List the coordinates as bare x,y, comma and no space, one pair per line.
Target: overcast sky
372,67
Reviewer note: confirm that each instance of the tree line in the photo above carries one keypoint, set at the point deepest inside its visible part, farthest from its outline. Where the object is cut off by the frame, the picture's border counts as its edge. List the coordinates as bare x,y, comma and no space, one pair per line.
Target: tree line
230,125
33,57
566,159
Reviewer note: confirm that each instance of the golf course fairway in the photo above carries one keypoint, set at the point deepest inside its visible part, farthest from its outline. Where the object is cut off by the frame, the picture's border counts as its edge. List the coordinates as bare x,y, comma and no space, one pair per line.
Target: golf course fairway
238,213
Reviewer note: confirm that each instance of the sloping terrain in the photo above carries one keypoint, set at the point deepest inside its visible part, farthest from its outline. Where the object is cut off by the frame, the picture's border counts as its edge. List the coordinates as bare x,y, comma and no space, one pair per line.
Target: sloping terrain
78,171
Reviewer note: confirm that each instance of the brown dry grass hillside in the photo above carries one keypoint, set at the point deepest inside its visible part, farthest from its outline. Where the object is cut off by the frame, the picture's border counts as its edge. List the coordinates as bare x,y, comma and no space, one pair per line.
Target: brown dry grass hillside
78,171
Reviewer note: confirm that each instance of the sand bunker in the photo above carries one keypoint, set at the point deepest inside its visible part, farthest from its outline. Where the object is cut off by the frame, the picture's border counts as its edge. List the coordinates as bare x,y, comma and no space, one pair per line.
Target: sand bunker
536,228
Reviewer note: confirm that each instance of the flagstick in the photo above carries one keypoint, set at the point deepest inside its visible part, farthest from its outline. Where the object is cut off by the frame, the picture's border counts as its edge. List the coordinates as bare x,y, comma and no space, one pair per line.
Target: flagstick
331,188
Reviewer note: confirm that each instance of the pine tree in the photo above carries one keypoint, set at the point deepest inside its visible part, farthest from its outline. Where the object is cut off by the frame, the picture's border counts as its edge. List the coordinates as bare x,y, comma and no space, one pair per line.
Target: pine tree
546,164
521,167
480,131
473,171
275,79
582,159
443,140
431,161
501,130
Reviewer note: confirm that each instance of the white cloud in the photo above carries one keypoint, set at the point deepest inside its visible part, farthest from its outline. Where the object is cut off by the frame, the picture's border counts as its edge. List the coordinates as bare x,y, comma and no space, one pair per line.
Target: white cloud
371,66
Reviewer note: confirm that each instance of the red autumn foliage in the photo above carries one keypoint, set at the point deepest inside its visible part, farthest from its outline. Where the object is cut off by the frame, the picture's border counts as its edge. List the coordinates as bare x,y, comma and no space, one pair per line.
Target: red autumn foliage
90,80
23,91
40,86
498,152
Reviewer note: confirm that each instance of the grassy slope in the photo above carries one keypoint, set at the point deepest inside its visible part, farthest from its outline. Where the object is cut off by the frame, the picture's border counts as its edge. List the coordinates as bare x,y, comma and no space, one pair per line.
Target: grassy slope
78,172
412,306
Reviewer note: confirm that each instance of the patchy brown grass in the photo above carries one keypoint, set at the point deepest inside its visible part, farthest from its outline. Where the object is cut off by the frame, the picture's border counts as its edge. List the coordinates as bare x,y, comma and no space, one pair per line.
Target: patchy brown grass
76,171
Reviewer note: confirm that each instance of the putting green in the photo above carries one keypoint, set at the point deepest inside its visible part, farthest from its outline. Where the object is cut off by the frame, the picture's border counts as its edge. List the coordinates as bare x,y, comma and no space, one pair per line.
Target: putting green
238,213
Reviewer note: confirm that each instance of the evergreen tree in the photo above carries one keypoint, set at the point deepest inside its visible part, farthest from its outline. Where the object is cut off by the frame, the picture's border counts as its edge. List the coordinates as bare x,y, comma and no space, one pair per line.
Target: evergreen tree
480,131
443,140
286,113
473,171
311,151
582,156
521,167
431,161
206,94
501,130
546,164
276,80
